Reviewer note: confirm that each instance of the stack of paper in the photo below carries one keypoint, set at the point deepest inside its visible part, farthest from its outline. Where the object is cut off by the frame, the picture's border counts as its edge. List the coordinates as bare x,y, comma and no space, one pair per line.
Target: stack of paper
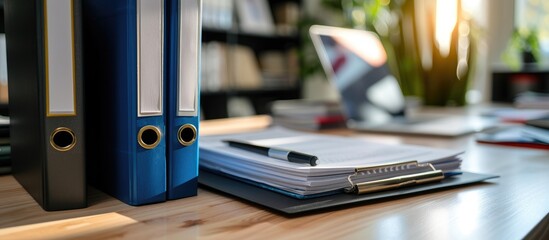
338,158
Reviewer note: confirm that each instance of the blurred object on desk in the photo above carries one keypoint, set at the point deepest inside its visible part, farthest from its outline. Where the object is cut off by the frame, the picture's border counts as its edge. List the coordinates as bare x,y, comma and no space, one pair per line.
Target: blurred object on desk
533,133
515,115
538,129
539,122
513,136
508,84
538,134
308,114
532,100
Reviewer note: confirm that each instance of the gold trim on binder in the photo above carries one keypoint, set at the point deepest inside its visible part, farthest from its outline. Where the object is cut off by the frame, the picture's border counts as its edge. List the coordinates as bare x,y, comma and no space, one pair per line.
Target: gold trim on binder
393,182
57,141
149,140
182,136
46,63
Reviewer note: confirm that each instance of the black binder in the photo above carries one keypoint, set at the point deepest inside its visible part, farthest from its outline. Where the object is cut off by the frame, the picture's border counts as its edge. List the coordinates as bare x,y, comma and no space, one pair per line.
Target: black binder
46,100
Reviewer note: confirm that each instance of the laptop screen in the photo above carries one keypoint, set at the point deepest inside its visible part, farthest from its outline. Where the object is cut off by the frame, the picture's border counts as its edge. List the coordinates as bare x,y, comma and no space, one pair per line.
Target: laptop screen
356,63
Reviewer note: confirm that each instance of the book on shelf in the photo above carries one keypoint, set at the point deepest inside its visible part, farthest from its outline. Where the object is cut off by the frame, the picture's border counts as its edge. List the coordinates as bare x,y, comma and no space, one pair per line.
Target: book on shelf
245,73
218,14
229,66
279,68
214,67
254,16
286,15
237,67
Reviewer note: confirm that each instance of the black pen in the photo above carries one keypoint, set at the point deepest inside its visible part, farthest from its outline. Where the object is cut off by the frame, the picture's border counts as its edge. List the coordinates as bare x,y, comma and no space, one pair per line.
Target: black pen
288,155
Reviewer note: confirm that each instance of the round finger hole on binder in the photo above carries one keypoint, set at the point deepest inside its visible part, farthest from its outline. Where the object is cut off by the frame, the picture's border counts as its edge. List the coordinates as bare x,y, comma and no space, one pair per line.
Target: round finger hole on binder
149,137
62,139
187,134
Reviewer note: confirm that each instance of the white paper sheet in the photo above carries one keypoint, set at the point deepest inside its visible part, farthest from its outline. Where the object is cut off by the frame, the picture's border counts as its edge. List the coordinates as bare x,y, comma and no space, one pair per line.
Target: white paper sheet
338,158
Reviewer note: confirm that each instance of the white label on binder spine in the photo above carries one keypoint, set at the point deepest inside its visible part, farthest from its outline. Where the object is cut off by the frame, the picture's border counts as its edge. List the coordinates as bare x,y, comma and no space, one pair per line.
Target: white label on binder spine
59,54
189,57
150,41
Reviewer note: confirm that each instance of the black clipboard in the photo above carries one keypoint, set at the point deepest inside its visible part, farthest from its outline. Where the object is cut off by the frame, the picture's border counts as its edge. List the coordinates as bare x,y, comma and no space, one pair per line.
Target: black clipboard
288,205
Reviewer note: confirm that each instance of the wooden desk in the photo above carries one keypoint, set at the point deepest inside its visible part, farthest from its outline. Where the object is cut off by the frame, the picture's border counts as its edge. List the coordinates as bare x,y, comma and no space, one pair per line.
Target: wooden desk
504,208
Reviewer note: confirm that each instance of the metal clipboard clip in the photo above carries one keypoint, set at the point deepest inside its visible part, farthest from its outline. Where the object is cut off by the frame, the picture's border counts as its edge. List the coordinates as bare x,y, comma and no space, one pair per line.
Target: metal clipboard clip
431,175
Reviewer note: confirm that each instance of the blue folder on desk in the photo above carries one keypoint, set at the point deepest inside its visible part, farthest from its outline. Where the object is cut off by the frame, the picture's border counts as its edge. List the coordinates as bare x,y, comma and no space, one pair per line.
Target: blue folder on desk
125,95
183,84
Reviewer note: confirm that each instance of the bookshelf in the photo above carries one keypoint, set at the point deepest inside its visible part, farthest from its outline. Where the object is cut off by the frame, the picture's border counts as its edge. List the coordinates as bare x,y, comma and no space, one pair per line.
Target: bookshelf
251,60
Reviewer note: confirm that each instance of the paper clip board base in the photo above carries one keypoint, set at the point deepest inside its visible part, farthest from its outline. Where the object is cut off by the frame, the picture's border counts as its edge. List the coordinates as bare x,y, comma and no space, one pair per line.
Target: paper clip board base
289,205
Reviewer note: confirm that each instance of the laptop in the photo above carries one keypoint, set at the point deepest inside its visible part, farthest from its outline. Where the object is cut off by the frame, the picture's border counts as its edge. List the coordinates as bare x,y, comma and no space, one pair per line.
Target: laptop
355,61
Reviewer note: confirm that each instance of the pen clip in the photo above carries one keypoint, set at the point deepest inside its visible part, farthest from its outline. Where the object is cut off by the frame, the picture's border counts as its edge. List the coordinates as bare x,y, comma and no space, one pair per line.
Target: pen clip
430,175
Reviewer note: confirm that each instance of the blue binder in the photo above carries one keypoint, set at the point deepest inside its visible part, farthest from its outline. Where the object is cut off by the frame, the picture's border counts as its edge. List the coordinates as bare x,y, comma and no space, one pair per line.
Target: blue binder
125,70
183,76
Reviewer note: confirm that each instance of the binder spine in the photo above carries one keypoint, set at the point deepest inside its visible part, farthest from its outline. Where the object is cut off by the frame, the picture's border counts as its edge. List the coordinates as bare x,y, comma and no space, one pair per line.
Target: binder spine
183,96
149,174
125,46
66,178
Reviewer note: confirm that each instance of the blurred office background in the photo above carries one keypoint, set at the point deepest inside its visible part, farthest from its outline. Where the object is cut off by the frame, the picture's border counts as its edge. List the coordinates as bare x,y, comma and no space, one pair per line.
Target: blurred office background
257,51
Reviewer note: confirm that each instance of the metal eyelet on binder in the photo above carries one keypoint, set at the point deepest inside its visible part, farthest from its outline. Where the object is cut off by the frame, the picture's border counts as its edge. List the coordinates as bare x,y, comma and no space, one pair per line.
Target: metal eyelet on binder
149,137
62,139
431,175
187,135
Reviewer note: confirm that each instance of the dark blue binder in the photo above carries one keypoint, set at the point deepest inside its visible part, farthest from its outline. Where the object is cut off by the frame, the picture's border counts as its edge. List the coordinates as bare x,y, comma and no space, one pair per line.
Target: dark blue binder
183,84
125,93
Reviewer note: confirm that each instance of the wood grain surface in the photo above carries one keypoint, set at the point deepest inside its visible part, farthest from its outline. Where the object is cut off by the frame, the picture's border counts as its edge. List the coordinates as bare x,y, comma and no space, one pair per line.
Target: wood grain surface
505,208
